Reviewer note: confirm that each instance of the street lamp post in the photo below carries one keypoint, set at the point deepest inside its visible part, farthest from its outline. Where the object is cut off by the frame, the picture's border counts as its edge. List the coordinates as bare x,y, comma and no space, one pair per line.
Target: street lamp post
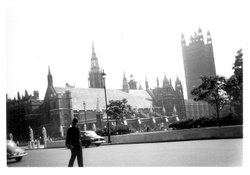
84,105
104,86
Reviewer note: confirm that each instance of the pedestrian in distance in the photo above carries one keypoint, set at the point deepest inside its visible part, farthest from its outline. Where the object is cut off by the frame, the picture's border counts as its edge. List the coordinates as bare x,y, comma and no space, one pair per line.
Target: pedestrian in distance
74,144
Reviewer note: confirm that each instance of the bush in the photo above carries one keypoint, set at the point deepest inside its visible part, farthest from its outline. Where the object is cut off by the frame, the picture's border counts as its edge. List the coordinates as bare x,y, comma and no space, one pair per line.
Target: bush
231,119
99,132
207,122
122,129
115,130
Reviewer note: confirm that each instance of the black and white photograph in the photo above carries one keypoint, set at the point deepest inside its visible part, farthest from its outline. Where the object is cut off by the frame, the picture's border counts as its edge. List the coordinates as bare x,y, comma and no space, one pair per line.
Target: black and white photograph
114,83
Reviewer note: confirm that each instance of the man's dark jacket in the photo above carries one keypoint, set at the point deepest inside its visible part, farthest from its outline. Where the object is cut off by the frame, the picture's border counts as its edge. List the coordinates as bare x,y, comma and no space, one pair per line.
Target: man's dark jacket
73,137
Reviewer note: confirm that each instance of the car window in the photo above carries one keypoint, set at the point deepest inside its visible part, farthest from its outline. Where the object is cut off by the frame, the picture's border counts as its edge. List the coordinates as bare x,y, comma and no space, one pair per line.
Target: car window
89,133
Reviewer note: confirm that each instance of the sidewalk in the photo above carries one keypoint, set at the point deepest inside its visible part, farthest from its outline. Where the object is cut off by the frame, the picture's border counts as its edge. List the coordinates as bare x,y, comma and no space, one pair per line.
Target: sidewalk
35,148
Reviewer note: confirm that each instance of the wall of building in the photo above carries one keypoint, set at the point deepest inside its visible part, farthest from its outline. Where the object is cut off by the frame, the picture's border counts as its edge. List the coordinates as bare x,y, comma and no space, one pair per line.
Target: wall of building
60,112
169,98
197,109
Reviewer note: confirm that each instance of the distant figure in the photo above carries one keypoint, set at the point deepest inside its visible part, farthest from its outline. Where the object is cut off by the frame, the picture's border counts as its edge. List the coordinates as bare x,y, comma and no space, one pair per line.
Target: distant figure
11,136
74,144
148,129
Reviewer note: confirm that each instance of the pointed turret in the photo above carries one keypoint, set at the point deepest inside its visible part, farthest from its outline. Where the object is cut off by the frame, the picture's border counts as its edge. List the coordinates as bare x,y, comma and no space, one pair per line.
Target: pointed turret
140,87
165,82
94,59
18,96
131,77
50,78
209,39
170,82
195,37
177,81
178,86
124,77
146,83
125,86
199,30
200,35
183,41
26,94
93,48
95,74
157,82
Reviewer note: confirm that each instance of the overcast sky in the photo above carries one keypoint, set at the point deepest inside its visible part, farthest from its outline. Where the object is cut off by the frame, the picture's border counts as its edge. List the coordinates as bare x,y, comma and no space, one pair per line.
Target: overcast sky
136,37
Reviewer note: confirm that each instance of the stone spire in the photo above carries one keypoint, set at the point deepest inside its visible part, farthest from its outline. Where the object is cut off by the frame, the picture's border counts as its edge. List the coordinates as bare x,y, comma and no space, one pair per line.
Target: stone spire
50,78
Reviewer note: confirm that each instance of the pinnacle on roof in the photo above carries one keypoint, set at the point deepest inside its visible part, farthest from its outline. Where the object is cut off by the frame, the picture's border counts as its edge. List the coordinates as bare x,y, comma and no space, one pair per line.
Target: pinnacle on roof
49,70
93,48
177,80
124,77
199,30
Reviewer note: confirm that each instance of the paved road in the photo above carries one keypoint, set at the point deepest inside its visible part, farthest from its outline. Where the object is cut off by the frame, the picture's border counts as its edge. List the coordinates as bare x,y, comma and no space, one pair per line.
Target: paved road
228,152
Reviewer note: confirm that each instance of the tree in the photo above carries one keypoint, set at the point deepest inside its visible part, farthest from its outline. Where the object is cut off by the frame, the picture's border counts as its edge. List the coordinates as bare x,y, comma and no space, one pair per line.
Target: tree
234,85
212,90
116,109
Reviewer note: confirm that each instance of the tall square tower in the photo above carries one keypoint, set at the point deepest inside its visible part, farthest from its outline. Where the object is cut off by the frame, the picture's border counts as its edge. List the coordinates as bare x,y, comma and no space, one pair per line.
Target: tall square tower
198,59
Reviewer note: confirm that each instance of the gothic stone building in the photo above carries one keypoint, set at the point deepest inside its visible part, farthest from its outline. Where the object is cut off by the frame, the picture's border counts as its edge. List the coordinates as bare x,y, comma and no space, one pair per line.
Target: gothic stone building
61,104
153,106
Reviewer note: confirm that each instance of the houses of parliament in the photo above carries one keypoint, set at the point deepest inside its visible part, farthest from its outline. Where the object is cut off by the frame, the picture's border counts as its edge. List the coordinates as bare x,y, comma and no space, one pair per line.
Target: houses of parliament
153,107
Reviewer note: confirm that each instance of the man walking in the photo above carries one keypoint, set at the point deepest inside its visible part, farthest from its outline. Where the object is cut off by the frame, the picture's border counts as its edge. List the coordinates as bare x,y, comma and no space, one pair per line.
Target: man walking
74,144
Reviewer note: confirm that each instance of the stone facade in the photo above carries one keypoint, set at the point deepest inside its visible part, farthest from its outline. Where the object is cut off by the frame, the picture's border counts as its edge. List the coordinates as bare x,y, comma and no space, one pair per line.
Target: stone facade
168,97
198,59
197,109
162,97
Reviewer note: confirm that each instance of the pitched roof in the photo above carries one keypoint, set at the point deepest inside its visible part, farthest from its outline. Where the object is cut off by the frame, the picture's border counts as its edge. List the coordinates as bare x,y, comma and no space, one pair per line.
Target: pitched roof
136,98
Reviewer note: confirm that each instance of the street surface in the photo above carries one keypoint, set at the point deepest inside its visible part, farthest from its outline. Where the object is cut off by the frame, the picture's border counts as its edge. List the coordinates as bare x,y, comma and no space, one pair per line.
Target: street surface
227,152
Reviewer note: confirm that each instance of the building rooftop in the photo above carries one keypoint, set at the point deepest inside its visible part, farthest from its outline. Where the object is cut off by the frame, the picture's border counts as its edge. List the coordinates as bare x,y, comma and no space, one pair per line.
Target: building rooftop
136,98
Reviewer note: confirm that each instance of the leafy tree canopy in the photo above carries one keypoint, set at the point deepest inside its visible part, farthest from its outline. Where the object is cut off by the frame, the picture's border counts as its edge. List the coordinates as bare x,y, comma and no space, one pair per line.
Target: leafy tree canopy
212,90
234,85
116,109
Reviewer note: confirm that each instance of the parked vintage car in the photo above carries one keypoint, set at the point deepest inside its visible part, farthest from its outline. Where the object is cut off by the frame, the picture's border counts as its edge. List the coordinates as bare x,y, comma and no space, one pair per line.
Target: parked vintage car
14,152
90,137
